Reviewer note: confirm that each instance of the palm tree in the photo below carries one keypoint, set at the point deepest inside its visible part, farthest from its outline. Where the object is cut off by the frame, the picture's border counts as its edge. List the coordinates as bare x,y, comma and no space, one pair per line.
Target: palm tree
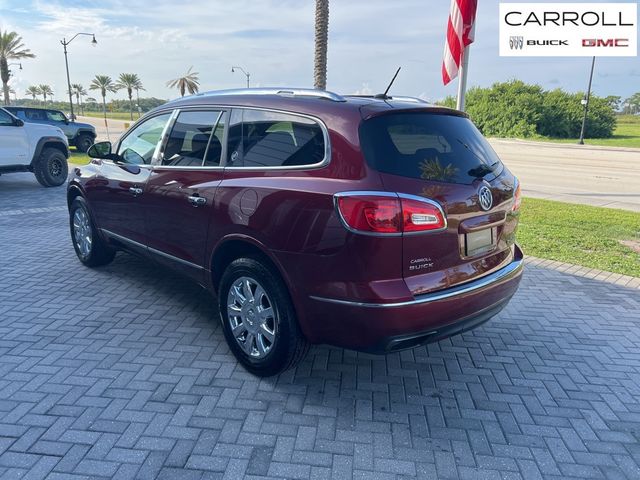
189,82
322,35
79,91
104,84
34,91
11,48
13,92
138,88
45,90
129,81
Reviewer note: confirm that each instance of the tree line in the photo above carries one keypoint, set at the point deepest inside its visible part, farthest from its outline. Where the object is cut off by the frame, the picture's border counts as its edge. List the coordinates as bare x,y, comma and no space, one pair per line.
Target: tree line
518,109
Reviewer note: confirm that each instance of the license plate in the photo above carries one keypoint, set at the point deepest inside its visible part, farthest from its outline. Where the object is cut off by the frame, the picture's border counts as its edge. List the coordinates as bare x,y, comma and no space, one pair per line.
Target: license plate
479,242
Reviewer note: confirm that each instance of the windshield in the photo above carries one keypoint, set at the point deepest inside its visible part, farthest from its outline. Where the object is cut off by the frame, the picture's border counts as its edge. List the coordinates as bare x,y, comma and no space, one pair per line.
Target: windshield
428,146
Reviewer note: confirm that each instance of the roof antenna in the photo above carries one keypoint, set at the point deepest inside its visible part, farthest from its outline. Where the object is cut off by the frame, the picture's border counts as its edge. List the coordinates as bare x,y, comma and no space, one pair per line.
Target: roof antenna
384,96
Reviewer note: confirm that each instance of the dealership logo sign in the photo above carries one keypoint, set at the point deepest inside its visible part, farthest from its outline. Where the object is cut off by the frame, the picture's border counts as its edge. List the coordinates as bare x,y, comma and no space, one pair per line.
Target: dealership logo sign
568,29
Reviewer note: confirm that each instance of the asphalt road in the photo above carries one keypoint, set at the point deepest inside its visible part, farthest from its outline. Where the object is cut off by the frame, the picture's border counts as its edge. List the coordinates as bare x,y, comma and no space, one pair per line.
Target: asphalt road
600,176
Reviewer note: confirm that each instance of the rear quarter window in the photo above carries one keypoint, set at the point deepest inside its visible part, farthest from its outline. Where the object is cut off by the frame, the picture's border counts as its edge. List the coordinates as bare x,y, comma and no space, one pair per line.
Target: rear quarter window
428,146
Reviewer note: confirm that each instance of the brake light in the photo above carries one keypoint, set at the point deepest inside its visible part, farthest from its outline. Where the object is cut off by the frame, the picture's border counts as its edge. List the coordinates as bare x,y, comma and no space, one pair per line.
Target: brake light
389,214
517,198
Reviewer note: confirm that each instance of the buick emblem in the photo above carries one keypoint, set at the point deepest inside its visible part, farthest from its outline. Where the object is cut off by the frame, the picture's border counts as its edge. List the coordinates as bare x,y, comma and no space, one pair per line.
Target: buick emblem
516,43
486,198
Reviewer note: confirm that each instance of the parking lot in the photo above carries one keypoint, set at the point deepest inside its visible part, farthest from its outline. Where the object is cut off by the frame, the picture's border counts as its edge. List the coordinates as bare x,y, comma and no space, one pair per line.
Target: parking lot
123,372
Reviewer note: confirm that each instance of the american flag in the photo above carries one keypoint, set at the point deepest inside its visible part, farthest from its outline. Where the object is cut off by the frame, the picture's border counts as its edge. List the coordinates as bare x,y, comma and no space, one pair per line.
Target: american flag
459,34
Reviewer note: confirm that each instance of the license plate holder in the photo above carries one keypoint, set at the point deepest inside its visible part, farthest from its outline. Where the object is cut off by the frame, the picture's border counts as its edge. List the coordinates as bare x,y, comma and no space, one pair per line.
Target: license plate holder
478,242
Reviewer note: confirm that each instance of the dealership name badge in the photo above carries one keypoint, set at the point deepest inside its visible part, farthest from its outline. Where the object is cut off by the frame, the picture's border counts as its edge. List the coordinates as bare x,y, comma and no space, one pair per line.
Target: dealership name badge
568,29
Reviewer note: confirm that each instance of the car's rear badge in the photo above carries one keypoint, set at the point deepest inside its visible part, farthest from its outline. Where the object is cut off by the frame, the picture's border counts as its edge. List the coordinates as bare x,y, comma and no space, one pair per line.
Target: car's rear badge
485,198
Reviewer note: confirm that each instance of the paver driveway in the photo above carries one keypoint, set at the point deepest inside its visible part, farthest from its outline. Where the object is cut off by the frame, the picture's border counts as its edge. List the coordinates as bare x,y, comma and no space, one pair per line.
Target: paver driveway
123,371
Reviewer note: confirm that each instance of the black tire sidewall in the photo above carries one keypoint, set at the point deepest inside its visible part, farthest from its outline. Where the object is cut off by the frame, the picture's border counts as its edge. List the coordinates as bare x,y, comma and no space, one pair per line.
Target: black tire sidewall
81,140
44,165
280,353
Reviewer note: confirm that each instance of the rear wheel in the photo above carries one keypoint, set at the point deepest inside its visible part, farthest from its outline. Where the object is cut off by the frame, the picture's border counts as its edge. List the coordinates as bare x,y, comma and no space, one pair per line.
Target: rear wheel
83,142
258,318
51,168
89,246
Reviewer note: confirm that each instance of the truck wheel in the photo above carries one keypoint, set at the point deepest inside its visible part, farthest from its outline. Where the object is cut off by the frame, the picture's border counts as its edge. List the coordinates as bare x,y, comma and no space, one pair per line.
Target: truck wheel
83,142
90,248
51,168
258,318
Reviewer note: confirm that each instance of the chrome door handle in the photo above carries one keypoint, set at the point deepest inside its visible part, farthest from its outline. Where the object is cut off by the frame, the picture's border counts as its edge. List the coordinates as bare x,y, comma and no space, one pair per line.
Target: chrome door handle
196,201
135,191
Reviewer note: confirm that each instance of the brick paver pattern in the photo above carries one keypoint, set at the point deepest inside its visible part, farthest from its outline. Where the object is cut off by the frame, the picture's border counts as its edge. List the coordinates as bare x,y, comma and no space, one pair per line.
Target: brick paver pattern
123,372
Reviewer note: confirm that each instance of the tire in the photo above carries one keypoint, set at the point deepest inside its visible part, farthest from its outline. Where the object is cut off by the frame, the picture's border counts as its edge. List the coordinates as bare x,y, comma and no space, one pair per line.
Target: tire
262,354
51,168
83,142
90,248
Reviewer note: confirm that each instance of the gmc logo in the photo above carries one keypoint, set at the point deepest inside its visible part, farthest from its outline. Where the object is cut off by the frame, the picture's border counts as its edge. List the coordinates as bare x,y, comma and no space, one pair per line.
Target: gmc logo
610,42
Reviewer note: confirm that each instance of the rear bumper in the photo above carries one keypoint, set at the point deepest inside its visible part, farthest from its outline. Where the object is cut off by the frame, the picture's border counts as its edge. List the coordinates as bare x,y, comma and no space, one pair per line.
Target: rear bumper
385,327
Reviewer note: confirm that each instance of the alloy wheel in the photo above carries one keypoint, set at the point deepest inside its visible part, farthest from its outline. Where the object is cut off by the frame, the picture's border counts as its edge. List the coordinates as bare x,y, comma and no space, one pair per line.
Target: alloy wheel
82,233
251,317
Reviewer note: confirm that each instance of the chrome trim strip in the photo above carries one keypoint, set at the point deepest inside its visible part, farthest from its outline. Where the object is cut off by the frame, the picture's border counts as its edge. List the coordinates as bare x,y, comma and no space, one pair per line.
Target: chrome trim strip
503,274
391,195
152,250
228,108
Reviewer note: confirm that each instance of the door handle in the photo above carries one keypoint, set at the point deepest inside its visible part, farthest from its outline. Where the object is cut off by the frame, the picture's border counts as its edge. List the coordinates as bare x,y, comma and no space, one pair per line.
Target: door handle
196,200
135,191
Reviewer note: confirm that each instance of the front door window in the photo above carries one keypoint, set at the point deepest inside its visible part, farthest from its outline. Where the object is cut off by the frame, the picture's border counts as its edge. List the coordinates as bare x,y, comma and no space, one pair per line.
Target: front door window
140,144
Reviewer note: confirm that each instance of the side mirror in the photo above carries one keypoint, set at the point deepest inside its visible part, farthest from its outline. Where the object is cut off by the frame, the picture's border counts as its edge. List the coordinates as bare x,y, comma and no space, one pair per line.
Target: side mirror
100,150
18,122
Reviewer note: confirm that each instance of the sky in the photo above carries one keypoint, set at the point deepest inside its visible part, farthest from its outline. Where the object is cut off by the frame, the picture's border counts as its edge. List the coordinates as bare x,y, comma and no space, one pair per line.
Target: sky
273,40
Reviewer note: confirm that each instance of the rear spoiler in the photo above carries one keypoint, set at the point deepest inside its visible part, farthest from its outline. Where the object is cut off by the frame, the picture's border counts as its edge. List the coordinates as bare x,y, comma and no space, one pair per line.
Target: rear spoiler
376,110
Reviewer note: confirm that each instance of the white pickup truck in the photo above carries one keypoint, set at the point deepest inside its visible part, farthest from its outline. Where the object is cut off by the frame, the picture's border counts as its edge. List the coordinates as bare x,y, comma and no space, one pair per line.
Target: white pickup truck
33,147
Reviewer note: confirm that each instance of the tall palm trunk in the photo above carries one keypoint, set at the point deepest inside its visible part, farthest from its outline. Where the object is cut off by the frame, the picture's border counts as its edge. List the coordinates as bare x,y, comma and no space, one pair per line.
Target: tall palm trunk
104,106
4,74
130,92
322,35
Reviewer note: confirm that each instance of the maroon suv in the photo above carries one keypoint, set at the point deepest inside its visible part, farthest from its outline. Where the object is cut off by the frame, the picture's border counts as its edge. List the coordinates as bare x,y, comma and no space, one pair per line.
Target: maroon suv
371,223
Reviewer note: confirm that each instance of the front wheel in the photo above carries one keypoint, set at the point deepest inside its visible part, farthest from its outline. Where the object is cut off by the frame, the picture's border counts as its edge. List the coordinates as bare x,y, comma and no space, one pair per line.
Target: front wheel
51,168
84,142
258,318
89,246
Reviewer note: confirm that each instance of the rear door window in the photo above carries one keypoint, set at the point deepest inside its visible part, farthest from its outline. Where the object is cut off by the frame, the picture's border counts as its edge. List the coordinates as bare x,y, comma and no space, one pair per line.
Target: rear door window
263,139
195,139
428,146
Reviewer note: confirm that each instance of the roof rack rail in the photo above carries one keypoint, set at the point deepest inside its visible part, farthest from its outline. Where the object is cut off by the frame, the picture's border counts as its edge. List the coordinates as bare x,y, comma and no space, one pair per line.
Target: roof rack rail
290,92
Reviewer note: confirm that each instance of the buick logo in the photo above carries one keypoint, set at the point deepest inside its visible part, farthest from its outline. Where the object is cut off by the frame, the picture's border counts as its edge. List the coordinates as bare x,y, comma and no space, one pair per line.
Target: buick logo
486,198
516,43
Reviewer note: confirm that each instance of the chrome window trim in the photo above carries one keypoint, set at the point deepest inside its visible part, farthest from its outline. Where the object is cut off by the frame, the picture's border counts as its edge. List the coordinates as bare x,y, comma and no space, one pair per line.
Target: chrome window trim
157,166
375,193
229,108
511,270
150,249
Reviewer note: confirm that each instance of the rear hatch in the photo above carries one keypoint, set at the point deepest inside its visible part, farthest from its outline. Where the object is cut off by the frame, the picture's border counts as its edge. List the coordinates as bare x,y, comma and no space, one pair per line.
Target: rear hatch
440,155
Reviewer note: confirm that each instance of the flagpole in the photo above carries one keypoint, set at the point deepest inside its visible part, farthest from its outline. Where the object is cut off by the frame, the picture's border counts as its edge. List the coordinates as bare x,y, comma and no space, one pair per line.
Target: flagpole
464,69
462,83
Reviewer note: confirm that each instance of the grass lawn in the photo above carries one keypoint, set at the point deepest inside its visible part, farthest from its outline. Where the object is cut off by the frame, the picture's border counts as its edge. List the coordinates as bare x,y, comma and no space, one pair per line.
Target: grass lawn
627,134
78,158
582,235
114,115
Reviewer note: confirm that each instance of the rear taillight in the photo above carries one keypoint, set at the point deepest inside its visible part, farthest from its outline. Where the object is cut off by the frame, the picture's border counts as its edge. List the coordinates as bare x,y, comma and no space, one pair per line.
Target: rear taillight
389,213
517,198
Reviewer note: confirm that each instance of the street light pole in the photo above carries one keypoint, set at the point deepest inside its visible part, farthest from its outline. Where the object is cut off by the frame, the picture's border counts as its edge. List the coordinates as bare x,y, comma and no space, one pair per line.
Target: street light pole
586,105
248,75
64,43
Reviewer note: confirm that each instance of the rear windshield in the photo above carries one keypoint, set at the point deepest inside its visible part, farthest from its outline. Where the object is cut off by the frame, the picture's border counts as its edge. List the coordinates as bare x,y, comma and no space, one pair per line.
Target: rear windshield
434,147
